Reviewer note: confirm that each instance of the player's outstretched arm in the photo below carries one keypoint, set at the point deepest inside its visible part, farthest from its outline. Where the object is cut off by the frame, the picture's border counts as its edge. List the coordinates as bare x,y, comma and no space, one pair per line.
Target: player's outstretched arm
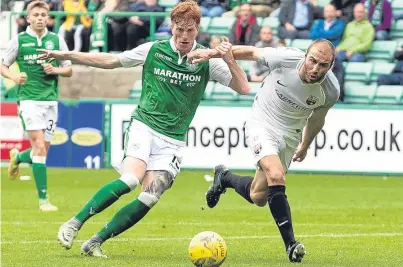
97,60
239,81
240,52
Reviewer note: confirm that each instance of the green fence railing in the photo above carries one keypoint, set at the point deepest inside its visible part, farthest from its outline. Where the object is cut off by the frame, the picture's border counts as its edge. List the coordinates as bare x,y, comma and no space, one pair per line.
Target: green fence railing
58,15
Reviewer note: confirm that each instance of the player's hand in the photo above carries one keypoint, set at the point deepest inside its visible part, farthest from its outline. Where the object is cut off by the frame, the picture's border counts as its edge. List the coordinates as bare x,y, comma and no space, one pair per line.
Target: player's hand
20,78
48,68
201,55
225,49
52,54
299,154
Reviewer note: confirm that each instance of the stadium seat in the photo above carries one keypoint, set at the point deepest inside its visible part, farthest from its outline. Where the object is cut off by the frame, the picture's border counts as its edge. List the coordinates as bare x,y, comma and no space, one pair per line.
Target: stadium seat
358,71
167,3
388,94
209,90
358,93
302,44
221,92
322,3
273,23
397,30
397,5
381,68
245,65
221,25
204,24
382,50
135,92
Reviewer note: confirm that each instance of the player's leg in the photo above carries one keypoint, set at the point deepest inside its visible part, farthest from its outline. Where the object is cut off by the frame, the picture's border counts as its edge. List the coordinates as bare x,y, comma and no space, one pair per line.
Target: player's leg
134,165
261,145
274,168
163,166
17,157
130,214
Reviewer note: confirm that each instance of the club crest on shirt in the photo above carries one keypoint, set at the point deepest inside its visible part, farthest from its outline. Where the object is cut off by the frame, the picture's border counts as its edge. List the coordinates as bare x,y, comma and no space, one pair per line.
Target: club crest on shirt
312,100
257,148
49,45
191,66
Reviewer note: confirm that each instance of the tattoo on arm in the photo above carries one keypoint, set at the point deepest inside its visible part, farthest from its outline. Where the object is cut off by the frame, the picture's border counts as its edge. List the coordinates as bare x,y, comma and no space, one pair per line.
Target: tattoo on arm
162,181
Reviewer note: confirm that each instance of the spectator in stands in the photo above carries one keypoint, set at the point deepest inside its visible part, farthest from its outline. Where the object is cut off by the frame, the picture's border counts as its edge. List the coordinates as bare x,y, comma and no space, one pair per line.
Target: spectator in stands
139,27
260,8
281,43
245,30
119,25
296,19
74,24
380,15
396,77
357,38
258,71
213,8
345,9
214,41
92,5
330,28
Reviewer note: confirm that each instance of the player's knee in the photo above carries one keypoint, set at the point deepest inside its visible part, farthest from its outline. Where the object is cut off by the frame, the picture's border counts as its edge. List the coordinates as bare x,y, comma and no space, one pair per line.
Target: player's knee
259,199
130,180
276,177
39,149
148,199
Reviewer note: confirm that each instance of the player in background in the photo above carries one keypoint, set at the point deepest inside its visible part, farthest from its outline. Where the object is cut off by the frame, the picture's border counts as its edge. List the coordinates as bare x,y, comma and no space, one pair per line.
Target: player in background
37,93
288,112
172,90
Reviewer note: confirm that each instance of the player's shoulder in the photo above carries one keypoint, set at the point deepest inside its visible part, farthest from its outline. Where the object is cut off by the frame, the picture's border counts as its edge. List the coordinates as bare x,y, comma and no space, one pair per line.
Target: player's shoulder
331,87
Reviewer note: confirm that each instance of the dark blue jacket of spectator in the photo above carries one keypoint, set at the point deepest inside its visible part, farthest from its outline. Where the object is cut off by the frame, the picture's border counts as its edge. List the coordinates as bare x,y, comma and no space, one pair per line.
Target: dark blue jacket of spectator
333,34
141,7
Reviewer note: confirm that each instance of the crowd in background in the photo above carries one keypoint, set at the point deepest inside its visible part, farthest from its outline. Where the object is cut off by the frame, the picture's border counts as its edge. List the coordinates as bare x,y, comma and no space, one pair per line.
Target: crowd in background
351,25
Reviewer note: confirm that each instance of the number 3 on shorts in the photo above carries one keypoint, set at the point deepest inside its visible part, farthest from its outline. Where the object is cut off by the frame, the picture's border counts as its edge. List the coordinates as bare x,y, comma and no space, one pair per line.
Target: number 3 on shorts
51,127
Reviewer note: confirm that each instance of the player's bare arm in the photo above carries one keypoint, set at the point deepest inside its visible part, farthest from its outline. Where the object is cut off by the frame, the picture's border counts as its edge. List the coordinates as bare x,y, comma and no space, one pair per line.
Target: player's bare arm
314,124
239,81
19,78
240,52
97,60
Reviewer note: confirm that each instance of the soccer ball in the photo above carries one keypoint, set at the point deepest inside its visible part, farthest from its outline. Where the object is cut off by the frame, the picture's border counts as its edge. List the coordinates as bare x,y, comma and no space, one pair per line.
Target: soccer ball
207,249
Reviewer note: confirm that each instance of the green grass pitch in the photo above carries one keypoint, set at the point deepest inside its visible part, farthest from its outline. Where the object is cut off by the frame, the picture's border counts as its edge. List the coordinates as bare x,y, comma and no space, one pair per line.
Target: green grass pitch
347,221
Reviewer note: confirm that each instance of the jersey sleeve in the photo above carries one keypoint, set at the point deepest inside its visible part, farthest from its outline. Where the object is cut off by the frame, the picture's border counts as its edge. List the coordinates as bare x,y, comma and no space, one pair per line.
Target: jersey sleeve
279,57
63,47
11,53
136,56
219,71
331,89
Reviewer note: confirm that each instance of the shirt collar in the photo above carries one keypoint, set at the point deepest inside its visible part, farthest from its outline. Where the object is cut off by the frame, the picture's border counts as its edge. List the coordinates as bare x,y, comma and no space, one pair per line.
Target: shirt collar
33,34
172,43
180,58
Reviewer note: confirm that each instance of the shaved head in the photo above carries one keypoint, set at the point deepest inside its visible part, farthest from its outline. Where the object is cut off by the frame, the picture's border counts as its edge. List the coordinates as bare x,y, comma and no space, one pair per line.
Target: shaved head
324,46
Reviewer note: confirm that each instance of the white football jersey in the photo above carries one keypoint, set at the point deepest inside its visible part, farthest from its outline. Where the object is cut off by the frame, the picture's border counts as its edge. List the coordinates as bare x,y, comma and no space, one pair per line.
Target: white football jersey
284,102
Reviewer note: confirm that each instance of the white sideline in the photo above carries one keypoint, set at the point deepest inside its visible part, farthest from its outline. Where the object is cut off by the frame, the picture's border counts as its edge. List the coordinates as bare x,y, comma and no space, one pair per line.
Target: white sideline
190,223
135,239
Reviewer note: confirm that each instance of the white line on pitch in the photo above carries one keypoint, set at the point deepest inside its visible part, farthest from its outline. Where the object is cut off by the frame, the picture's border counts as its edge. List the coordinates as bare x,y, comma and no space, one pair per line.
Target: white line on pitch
135,239
210,223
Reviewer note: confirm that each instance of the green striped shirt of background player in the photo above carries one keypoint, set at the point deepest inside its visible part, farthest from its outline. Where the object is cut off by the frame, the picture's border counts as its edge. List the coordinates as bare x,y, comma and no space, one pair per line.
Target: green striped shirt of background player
172,90
37,81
